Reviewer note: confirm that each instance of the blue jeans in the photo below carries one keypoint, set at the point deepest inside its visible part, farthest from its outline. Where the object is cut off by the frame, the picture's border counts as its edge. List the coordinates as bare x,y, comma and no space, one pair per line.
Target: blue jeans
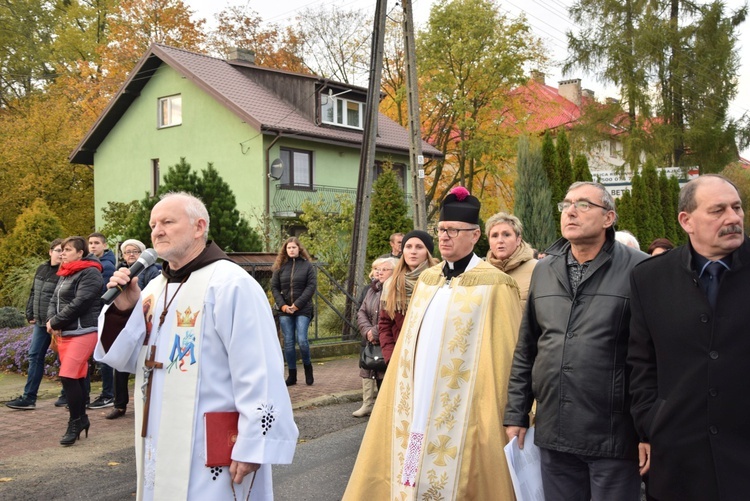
291,325
40,341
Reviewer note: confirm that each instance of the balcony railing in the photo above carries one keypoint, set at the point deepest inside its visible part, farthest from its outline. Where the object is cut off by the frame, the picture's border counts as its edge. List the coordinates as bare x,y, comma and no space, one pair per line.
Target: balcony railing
287,200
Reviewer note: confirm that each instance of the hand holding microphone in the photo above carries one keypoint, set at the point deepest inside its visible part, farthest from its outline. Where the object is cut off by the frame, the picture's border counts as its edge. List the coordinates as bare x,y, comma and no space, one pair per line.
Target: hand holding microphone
121,278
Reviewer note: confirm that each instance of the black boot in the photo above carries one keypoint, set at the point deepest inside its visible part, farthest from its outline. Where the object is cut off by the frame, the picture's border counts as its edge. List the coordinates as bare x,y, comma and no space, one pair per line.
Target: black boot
292,379
74,432
309,375
85,424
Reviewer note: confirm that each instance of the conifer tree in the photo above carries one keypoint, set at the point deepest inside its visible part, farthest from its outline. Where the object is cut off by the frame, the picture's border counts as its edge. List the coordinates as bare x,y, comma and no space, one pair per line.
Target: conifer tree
564,165
228,229
388,213
625,216
549,163
639,200
581,170
668,209
532,205
655,221
680,237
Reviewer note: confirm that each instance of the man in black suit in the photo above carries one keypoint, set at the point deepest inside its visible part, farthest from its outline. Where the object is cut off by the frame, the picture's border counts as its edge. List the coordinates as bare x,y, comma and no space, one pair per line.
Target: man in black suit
689,350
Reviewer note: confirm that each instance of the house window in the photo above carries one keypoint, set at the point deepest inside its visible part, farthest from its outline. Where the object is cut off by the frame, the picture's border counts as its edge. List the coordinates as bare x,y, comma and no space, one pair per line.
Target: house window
170,111
298,168
398,169
613,148
341,111
154,176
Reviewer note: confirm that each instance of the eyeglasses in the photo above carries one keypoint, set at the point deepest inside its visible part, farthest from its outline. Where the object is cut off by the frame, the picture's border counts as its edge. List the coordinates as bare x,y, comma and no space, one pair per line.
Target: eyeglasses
580,205
452,232
58,251
131,253
383,270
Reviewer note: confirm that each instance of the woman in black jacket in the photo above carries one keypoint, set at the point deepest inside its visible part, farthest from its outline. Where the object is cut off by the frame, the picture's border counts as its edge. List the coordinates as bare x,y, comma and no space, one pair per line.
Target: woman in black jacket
293,285
72,321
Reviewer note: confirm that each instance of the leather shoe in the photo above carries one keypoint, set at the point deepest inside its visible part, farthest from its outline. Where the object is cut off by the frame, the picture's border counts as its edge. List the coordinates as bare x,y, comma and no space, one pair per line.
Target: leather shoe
115,413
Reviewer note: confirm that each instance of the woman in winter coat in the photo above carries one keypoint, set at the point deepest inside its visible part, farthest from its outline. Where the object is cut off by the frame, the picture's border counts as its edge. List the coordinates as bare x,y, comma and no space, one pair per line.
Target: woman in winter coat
293,285
416,256
508,251
367,321
72,320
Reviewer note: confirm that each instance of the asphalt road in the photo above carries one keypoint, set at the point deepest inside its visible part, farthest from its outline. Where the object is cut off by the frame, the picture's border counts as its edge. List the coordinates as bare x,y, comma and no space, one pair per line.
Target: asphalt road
104,470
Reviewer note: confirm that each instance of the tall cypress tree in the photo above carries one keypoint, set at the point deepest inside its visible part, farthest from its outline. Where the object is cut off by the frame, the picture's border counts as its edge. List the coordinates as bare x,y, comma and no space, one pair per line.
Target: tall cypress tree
581,170
639,200
625,216
564,165
655,220
532,205
388,213
668,210
549,163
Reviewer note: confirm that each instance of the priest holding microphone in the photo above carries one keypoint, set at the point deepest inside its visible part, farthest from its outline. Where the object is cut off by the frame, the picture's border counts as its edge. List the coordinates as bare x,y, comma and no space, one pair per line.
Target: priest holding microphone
202,342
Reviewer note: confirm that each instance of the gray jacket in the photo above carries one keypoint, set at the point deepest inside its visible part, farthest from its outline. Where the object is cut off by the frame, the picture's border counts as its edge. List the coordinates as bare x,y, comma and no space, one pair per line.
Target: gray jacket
571,353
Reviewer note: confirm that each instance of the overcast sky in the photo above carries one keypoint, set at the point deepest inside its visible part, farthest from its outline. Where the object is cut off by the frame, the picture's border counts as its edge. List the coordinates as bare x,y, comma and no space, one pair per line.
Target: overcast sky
548,18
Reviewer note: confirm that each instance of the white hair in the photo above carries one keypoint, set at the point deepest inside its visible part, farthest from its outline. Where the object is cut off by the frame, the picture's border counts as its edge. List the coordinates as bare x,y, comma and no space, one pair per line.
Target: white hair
194,208
627,238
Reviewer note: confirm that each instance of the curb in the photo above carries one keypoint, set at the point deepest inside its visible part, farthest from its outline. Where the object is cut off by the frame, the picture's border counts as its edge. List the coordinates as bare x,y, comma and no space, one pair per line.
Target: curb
330,399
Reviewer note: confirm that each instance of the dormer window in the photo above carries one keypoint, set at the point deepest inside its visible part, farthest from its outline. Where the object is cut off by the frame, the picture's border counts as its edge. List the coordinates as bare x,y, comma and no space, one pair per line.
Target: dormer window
170,111
337,110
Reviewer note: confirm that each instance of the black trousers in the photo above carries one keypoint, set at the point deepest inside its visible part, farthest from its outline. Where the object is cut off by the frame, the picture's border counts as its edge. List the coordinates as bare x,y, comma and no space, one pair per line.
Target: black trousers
121,389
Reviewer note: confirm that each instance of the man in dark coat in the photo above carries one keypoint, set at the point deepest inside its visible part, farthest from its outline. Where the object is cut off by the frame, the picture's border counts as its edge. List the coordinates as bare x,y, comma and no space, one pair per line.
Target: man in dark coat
570,357
689,351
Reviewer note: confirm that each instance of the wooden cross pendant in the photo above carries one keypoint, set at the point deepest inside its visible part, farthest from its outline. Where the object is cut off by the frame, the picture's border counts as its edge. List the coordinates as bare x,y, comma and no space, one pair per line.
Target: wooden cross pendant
151,364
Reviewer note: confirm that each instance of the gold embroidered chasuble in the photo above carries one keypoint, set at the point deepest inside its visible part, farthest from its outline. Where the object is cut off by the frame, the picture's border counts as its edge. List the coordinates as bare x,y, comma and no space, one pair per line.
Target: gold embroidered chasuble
462,453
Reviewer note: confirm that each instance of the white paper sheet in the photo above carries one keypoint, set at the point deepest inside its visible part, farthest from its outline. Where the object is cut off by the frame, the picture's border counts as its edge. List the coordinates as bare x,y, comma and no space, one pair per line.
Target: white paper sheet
525,468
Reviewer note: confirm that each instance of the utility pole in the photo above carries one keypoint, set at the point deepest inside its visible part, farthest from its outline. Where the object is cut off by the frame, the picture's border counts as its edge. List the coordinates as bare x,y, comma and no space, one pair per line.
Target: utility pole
366,161
415,133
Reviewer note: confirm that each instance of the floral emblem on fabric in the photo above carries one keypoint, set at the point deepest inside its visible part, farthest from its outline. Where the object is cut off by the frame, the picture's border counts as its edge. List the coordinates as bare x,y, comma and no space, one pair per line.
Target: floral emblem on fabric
267,417
437,485
181,349
149,469
447,416
215,472
403,403
441,449
460,341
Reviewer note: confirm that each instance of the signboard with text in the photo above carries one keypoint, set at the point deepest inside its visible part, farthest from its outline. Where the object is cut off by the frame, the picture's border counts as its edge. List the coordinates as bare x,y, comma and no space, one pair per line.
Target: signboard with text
617,184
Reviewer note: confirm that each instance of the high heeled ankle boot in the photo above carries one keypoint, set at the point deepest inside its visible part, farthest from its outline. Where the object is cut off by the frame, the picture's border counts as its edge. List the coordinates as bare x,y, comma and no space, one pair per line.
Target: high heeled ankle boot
292,379
309,375
85,424
73,433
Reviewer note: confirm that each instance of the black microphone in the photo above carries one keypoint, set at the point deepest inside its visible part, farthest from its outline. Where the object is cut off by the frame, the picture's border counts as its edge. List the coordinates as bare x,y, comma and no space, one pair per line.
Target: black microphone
148,257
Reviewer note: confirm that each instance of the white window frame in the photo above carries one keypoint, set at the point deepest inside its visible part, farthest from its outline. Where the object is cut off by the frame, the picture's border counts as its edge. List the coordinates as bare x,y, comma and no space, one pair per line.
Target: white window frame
169,111
338,105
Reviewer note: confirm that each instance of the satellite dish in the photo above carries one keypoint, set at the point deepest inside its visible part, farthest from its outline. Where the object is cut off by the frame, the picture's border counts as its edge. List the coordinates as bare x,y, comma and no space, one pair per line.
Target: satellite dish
277,169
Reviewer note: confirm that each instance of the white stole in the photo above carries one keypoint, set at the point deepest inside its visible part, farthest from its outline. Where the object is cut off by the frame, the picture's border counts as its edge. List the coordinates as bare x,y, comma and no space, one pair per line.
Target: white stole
184,326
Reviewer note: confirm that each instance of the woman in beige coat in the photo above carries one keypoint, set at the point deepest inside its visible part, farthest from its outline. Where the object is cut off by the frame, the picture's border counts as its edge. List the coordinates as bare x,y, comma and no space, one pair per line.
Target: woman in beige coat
508,251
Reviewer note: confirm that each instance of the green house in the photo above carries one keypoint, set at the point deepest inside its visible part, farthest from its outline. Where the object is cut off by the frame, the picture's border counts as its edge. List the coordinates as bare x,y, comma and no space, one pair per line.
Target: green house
278,138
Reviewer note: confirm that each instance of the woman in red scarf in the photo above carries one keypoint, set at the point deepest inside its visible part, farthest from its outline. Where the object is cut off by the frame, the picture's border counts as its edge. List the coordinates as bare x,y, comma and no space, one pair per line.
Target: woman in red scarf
72,314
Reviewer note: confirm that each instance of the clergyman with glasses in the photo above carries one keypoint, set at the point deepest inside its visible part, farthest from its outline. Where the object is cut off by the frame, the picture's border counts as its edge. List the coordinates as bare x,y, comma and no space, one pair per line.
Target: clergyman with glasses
131,250
571,354
443,396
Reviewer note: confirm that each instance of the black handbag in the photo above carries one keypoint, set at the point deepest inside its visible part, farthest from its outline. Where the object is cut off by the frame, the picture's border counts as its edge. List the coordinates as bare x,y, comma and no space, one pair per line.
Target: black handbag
371,358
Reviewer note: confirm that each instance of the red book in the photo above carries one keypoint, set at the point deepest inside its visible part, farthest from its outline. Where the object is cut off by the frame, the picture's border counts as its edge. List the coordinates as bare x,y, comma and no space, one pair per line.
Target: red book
221,434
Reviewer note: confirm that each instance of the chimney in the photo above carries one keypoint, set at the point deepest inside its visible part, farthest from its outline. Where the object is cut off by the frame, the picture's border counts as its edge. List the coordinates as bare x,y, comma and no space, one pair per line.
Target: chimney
243,55
570,90
538,76
589,94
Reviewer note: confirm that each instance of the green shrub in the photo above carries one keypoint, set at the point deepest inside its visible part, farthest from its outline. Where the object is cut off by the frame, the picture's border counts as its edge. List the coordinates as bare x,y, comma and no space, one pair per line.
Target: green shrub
11,318
329,323
17,284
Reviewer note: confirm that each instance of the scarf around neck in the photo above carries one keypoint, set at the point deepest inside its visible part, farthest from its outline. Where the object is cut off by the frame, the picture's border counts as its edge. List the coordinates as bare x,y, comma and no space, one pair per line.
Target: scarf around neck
523,253
68,269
